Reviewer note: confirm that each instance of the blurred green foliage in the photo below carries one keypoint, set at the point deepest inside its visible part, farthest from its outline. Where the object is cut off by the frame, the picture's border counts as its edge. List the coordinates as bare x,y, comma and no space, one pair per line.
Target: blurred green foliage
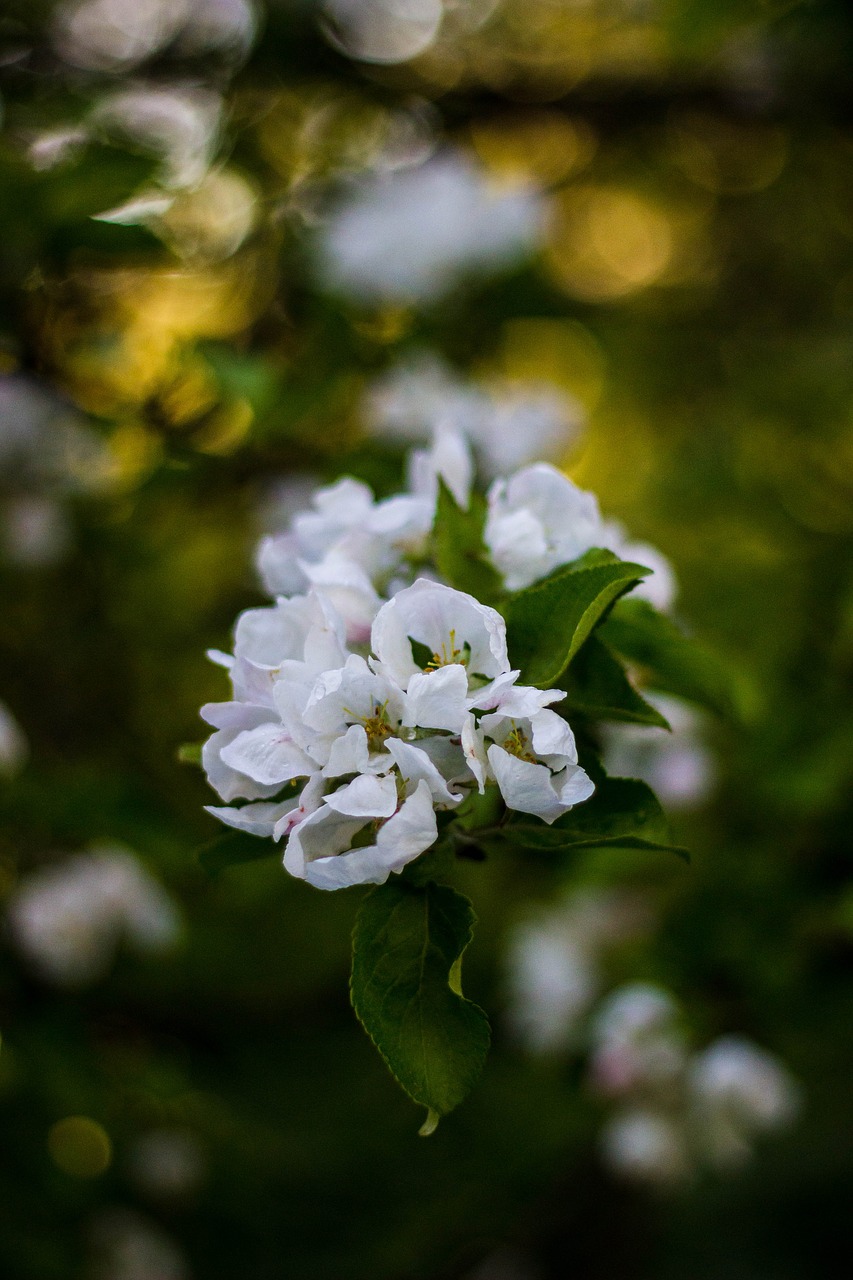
718,381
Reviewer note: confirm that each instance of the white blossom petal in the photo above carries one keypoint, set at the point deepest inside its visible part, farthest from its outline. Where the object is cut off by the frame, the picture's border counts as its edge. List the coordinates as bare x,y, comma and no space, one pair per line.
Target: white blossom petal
258,819
267,755
415,766
437,699
367,796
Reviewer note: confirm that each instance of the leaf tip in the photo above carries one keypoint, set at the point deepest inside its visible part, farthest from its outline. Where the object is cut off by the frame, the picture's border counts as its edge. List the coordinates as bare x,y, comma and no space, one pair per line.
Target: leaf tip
429,1125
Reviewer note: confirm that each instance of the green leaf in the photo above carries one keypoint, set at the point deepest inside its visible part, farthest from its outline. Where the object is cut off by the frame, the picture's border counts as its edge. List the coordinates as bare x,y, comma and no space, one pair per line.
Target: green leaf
421,653
597,685
460,552
670,660
622,814
548,622
234,849
406,990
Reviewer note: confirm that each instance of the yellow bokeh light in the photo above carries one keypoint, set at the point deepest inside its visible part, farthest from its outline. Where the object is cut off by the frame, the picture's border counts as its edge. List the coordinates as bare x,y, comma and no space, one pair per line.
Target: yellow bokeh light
562,352
607,242
727,157
79,1146
540,144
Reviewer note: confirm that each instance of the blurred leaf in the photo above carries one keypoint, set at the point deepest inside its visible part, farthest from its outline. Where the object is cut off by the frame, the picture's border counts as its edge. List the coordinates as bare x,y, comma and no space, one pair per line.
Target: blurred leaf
406,991
460,551
671,661
596,684
548,622
190,753
233,849
624,813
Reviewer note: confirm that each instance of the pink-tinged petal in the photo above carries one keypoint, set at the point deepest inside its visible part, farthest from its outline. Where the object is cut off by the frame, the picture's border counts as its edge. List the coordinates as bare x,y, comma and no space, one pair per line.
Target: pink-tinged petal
474,749
310,799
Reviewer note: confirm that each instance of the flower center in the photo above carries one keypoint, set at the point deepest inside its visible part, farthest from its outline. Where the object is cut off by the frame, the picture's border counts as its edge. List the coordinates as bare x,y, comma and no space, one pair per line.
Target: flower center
518,744
377,726
450,653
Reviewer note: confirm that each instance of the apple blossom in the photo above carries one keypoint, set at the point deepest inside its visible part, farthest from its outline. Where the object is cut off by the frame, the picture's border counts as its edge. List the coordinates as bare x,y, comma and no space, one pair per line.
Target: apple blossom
538,520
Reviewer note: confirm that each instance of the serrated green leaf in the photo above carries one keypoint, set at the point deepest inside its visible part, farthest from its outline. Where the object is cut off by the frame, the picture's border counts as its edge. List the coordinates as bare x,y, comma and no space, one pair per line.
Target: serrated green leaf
405,988
597,685
624,813
548,622
460,552
671,661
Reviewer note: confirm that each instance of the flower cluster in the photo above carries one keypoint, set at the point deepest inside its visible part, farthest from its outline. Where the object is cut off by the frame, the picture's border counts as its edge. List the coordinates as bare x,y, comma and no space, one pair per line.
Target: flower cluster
674,1109
371,694
678,1109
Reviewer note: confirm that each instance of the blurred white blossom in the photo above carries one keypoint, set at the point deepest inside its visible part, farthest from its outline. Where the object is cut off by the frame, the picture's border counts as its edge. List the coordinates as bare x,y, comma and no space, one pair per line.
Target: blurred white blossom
407,236
382,31
678,766
47,456
738,1092
680,1110
119,35
647,1146
637,1044
13,744
68,919
539,519
553,964
125,1245
508,424
167,1164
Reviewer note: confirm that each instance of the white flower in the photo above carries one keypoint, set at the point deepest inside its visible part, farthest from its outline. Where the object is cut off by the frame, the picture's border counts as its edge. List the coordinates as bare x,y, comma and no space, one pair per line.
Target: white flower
406,236
738,1091
553,980
67,919
382,31
46,455
253,754
554,964
461,647
448,458
321,850
678,766
645,1145
537,521
115,35
534,760
347,546
661,586
637,1044
350,713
